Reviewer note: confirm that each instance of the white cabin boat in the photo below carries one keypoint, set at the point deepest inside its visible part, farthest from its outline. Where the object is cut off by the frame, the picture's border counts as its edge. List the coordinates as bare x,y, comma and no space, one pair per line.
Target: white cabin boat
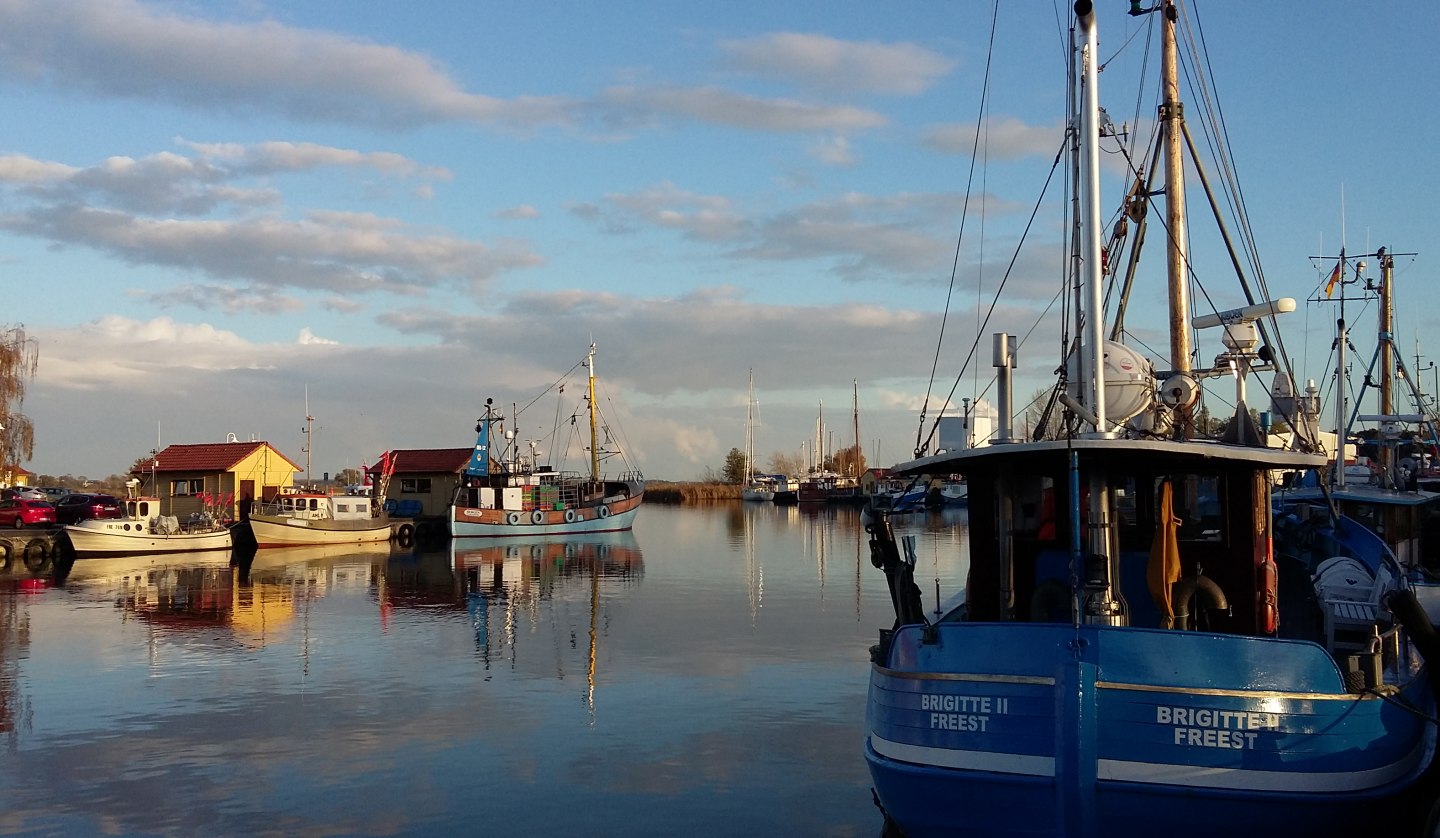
314,518
144,529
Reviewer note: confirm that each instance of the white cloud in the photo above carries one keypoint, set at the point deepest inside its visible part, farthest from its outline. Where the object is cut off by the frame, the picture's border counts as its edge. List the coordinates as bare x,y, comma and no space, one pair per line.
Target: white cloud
823,62
1002,139
309,338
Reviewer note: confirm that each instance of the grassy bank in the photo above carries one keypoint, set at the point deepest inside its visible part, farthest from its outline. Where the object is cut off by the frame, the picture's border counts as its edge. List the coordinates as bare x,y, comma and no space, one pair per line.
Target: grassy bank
660,491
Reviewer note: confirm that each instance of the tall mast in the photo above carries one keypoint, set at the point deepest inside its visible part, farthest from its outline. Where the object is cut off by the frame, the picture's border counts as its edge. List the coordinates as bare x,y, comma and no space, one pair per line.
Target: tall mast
1092,359
594,437
309,432
1172,117
1387,331
1387,351
749,421
855,415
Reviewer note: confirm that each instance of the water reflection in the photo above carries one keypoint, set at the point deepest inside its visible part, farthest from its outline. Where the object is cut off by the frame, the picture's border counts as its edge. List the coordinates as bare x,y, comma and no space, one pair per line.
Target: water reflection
715,679
508,585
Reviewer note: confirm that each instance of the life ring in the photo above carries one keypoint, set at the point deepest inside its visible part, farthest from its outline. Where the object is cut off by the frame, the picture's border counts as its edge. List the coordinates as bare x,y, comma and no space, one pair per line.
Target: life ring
512,518
36,552
603,511
537,517
1195,591
570,516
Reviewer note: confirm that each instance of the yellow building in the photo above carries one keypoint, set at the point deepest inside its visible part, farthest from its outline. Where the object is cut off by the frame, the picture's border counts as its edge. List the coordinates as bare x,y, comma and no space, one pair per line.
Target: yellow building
214,476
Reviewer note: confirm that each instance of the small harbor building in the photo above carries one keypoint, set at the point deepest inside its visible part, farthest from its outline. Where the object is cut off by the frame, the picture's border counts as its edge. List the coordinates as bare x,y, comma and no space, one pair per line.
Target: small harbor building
214,476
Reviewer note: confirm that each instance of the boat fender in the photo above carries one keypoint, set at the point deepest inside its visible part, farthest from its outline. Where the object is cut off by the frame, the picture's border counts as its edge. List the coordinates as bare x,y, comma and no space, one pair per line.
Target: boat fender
512,518
404,535
537,517
35,554
5,548
1193,591
603,511
570,516
1267,598
1051,602
1421,631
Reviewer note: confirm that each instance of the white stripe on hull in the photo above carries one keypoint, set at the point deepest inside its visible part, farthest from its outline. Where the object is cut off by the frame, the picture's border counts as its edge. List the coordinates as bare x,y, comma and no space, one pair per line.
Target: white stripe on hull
618,521
90,543
278,533
1160,774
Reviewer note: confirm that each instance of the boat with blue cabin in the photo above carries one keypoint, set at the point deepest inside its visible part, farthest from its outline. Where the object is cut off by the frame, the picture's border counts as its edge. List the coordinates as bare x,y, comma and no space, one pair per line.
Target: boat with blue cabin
1126,657
508,496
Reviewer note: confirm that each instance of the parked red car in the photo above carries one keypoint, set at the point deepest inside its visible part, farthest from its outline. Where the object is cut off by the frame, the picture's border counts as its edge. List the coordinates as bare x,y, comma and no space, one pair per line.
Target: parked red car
79,506
21,512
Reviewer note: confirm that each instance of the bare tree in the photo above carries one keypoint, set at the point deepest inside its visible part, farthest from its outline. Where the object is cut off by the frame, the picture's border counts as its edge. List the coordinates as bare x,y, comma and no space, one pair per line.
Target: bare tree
19,355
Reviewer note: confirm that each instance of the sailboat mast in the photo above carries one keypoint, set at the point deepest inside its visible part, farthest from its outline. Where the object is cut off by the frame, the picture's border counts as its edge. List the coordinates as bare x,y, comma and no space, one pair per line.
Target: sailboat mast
749,421
1092,359
594,436
855,416
1172,117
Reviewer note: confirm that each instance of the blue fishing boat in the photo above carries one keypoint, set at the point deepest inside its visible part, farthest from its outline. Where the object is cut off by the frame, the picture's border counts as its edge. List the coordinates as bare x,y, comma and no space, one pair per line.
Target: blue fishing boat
1126,656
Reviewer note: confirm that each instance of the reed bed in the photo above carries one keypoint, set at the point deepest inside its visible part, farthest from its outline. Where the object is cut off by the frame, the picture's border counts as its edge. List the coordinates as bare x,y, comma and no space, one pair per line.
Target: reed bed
660,491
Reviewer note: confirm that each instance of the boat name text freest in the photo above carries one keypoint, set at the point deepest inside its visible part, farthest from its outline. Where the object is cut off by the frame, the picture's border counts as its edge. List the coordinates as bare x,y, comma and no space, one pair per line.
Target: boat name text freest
963,712
1205,728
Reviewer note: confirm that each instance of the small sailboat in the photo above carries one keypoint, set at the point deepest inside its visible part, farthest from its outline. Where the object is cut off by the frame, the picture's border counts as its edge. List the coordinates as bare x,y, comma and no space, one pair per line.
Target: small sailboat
758,487
516,497
1127,657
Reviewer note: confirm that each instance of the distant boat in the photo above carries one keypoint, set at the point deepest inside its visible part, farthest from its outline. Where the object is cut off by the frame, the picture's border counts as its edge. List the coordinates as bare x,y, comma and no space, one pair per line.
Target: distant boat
305,519
758,487
1379,510
143,529
1126,657
787,491
515,497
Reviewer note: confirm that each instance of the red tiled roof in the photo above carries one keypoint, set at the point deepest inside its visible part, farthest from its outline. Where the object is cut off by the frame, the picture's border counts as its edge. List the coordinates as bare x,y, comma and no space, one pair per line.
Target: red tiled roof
209,456
427,460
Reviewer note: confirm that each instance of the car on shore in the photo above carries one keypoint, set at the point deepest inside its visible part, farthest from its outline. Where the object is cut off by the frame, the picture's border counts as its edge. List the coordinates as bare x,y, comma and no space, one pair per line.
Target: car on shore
82,506
24,512
25,492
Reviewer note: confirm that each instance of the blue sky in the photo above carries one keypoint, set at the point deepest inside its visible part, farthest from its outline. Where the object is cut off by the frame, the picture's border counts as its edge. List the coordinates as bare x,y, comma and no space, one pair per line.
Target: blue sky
209,210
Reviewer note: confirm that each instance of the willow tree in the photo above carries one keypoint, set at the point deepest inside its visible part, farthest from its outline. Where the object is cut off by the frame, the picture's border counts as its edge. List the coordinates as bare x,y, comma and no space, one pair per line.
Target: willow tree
19,354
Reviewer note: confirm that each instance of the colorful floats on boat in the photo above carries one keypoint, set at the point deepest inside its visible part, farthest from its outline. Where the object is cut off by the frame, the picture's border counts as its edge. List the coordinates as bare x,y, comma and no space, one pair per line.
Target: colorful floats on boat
509,496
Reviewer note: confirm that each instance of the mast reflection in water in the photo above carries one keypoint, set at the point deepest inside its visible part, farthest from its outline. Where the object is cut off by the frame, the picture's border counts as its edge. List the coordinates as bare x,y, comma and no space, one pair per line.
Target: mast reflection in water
713,681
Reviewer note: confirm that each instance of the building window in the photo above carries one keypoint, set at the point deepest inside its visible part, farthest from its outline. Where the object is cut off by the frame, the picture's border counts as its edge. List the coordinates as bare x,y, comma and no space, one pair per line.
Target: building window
186,487
414,485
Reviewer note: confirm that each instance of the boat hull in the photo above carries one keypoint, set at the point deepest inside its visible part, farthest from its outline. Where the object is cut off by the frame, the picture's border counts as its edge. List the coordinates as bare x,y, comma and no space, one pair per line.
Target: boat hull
281,531
1183,732
611,516
95,538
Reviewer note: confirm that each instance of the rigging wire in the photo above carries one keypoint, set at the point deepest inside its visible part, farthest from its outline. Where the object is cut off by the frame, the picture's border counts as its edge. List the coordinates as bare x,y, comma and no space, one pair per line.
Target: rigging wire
965,213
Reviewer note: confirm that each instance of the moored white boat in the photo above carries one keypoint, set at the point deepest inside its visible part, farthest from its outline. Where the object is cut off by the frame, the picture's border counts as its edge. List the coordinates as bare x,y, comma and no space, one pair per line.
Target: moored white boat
300,519
143,529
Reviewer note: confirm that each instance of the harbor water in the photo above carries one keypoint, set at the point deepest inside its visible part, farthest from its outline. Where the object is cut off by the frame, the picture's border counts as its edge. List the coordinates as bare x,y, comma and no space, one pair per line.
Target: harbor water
703,674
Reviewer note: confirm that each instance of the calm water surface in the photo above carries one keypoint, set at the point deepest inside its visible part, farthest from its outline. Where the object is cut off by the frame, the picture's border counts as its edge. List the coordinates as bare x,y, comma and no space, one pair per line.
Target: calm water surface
704,673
